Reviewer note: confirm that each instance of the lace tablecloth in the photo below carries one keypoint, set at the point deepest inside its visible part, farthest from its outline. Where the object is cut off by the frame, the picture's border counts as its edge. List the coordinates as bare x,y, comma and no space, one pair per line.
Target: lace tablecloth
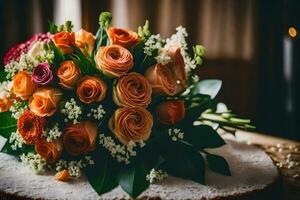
252,170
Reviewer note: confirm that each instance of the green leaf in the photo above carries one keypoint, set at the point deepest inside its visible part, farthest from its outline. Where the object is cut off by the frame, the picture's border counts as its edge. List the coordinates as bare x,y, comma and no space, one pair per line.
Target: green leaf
202,137
52,28
209,87
86,66
6,132
101,176
185,162
218,164
198,106
2,76
132,179
7,121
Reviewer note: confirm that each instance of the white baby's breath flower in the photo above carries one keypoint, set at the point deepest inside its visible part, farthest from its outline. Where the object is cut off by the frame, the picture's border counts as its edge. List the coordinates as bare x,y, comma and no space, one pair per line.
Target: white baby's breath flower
5,88
153,43
52,133
163,59
72,111
16,140
156,176
97,113
175,134
122,153
17,108
34,162
74,167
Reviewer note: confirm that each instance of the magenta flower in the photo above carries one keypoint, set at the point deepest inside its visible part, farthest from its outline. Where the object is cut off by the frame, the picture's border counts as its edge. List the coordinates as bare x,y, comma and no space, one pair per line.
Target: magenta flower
15,52
42,74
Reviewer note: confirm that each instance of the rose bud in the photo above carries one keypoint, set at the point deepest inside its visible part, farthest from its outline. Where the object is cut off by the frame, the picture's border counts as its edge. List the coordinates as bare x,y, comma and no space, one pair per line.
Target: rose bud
85,41
178,67
42,74
5,104
132,90
63,175
123,37
170,112
91,89
131,124
114,60
50,151
65,41
23,87
161,79
30,126
79,139
44,101
68,74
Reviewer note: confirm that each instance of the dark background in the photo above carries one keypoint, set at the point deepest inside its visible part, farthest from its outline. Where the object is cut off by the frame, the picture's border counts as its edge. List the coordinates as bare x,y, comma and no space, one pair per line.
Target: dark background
244,38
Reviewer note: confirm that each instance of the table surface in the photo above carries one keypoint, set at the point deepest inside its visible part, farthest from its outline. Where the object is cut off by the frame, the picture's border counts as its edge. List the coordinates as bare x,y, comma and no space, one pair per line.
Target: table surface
285,154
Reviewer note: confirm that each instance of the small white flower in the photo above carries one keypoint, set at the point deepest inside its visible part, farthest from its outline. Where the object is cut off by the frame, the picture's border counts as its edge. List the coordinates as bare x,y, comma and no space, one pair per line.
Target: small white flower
34,162
122,153
163,59
52,133
175,134
153,43
16,140
156,176
97,113
17,108
72,111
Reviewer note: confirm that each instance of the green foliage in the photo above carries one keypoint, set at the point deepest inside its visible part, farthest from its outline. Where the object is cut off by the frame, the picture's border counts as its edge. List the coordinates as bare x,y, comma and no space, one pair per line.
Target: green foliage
132,179
202,137
101,176
105,19
2,75
209,87
52,28
183,161
144,31
218,164
86,66
6,123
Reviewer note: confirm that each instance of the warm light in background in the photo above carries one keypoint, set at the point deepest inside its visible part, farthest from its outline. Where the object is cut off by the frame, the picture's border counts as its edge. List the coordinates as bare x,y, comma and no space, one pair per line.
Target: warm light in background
292,32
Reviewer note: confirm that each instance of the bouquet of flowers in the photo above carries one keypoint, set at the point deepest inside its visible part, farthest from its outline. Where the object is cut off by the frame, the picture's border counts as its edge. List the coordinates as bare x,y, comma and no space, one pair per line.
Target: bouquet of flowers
121,107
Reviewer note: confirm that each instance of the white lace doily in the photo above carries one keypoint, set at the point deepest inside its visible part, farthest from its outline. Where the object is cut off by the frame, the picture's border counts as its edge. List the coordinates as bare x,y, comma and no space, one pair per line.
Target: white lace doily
251,169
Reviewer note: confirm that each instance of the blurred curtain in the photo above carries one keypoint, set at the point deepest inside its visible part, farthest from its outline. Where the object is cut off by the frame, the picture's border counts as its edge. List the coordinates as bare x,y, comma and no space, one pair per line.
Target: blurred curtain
19,19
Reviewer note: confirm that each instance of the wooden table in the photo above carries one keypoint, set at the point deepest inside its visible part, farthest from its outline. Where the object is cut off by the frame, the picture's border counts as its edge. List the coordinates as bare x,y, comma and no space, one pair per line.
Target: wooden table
286,155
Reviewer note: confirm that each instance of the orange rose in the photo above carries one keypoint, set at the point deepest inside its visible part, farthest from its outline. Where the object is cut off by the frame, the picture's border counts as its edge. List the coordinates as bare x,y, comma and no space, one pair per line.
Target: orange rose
44,101
63,175
91,89
68,74
161,79
131,124
132,90
80,138
23,87
50,151
85,41
65,41
170,112
123,37
114,60
5,104
30,126
178,67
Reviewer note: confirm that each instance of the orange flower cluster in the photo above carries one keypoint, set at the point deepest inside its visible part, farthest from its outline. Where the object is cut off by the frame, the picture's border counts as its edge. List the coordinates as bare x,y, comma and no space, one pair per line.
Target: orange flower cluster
131,92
